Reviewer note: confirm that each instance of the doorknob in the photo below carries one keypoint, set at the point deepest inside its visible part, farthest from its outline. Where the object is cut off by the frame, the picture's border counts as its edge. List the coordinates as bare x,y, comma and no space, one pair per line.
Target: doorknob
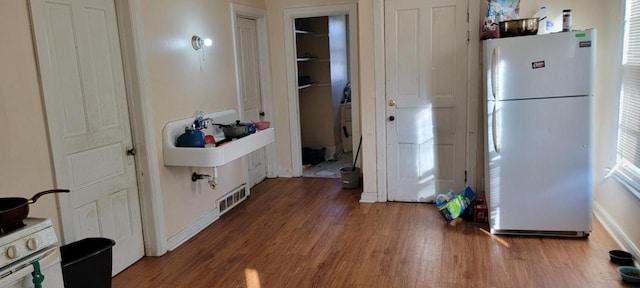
131,151
392,102
391,118
261,114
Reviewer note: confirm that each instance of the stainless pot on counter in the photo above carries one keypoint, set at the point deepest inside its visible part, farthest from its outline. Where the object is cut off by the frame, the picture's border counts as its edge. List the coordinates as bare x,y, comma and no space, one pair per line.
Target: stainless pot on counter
237,129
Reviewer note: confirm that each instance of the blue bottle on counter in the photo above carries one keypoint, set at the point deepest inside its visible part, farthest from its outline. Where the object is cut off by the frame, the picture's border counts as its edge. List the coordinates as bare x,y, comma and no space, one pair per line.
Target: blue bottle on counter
251,128
191,138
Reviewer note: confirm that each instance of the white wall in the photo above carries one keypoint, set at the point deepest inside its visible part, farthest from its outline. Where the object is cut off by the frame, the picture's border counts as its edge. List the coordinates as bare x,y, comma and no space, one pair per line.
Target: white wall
25,160
367,98
181,83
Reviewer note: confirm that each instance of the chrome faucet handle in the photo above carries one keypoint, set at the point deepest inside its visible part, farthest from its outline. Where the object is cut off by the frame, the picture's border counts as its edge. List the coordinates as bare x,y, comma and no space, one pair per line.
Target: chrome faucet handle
204,123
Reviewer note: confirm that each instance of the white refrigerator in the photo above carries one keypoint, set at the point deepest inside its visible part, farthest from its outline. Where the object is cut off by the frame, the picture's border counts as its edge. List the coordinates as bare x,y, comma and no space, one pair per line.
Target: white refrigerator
539,133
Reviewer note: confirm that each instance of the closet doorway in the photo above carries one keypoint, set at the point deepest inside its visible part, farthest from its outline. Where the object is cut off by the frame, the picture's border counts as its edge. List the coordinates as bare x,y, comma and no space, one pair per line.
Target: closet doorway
322,73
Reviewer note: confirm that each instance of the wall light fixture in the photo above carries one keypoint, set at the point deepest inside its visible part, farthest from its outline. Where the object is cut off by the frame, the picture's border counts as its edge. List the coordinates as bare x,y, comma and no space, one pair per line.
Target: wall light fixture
197,42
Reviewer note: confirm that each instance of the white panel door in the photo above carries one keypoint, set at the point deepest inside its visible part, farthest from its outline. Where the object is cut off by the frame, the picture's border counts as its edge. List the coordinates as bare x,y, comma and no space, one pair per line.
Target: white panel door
426,71
82,79
250,90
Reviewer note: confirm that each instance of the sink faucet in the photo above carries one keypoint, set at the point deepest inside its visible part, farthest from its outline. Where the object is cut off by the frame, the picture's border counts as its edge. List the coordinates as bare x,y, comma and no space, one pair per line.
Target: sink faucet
202,123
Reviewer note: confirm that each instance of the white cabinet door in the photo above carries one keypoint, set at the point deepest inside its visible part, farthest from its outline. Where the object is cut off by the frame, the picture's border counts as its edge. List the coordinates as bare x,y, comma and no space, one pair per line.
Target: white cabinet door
426,71
82,79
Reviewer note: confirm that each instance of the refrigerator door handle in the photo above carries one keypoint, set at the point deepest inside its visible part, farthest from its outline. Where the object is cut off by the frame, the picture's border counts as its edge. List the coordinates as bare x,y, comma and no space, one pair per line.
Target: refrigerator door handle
494,70
494,133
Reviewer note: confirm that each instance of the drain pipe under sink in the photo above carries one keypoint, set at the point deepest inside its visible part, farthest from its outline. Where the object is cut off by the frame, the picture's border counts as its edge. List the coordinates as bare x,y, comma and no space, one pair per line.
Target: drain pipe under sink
213,180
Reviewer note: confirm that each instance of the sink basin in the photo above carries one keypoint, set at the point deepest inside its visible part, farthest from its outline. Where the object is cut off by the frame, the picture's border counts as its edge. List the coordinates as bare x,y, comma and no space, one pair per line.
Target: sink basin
210,156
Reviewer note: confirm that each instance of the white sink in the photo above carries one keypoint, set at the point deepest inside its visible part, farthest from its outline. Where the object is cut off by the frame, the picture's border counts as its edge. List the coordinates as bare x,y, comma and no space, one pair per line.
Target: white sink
210,156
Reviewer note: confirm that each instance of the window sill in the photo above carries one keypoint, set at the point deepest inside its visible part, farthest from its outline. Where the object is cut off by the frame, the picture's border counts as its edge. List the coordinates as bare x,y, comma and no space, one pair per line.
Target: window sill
629,179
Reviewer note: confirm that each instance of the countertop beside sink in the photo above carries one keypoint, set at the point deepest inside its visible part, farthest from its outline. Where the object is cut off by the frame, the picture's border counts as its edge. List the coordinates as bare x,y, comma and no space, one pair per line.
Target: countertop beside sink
210,156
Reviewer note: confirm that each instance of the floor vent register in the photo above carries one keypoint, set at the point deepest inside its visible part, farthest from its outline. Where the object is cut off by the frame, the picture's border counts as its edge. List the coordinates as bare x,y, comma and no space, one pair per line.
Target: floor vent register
232,199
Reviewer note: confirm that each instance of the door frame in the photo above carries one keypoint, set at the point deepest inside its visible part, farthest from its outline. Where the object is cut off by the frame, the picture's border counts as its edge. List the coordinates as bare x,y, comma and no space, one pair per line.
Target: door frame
130,29
143,135
260,16
473,94
292,70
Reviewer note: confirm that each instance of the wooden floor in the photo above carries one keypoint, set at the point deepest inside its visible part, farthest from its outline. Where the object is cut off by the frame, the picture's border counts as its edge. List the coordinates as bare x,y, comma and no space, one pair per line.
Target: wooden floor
307,232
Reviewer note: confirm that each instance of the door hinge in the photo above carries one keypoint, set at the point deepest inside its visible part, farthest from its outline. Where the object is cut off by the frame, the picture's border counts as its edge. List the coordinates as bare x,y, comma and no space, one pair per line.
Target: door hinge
467,15
465,176
468,37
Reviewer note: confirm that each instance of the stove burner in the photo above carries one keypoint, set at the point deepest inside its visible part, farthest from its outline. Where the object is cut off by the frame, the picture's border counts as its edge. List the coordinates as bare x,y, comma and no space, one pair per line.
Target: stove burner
10,228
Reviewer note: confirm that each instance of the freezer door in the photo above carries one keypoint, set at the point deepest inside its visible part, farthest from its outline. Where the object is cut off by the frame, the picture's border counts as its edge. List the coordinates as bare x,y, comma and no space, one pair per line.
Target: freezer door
551,65
539,174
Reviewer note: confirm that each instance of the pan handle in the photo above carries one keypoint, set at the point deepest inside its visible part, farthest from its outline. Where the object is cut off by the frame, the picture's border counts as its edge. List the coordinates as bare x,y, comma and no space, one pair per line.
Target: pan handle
35,197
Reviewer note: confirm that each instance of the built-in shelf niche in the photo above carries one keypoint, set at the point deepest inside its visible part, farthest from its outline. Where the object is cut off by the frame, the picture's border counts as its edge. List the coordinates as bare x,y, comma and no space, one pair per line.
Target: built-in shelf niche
317,52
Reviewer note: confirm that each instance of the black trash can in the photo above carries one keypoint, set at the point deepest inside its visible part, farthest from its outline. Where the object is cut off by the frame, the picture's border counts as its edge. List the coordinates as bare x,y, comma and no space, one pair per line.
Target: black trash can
87,263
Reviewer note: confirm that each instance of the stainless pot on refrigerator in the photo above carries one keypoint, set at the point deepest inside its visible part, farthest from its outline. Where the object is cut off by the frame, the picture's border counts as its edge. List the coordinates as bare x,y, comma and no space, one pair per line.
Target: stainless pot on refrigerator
519,27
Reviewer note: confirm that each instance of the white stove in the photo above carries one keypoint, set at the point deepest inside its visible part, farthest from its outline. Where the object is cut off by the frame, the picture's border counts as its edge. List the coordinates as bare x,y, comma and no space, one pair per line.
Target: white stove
37,234
19,248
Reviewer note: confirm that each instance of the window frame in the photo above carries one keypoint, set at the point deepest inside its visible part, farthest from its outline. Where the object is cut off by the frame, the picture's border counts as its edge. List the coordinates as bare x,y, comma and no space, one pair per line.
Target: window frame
627,173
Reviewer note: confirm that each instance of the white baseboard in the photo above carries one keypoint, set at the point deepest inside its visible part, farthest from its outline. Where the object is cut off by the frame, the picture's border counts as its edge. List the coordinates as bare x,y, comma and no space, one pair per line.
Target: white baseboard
368,197
285,173
176,240
614,230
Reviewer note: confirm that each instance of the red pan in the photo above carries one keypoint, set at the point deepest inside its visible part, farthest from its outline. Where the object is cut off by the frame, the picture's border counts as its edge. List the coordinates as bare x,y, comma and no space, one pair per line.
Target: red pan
14,209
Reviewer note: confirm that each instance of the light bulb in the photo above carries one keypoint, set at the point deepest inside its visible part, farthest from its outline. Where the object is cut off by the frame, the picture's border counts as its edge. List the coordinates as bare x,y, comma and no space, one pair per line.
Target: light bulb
196,42
208,42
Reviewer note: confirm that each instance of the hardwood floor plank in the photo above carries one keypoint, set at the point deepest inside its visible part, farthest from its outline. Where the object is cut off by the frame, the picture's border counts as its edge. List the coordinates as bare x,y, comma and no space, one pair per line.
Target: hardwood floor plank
309,232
